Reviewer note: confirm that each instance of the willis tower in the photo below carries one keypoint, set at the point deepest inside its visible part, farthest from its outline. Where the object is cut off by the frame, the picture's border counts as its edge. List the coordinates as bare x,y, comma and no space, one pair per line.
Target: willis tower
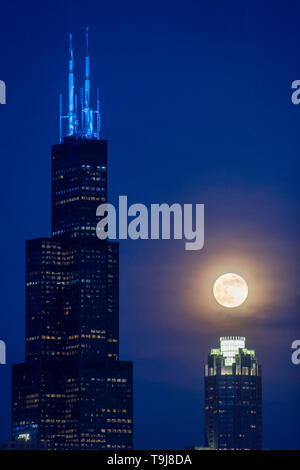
73,392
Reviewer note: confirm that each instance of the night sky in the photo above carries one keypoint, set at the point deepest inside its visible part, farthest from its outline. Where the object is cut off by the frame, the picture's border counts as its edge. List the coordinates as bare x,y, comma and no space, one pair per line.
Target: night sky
196,108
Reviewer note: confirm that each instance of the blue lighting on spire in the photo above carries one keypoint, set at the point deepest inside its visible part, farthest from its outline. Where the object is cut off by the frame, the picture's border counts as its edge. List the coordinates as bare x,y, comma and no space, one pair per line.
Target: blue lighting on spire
88,126
71,113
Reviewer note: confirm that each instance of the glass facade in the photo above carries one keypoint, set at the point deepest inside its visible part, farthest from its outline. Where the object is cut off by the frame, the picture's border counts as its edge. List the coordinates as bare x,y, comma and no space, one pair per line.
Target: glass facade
233,397
79,185
73,392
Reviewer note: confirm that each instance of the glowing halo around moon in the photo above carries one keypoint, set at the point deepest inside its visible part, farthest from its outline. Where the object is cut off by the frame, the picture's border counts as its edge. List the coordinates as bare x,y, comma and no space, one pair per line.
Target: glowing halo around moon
230,290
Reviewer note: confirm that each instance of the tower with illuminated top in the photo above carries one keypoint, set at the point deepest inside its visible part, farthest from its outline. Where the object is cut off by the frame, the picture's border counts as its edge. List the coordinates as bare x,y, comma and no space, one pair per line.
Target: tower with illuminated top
73,392
233,397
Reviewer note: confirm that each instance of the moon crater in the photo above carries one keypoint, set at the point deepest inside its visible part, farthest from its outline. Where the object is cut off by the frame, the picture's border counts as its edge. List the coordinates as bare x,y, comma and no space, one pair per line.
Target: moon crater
230,290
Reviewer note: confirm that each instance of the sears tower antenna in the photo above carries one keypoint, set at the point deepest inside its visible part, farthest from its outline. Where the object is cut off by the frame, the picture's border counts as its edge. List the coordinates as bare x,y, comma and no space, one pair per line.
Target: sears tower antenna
71,113
88,126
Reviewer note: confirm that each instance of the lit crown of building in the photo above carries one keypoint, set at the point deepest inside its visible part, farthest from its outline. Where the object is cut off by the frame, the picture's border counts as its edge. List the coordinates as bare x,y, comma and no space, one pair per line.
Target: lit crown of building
85,124
232,358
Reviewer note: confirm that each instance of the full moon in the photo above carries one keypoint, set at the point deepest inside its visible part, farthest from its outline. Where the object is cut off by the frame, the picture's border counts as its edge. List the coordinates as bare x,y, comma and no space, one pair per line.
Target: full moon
230,290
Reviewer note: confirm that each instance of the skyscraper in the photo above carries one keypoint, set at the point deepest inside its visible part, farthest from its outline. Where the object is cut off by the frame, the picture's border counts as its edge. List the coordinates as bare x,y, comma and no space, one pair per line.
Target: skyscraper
73,392
233,397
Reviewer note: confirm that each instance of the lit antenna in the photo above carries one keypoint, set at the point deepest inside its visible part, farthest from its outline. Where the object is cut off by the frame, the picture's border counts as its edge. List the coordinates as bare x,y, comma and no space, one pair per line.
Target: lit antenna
71,91
88,126
60,117
98,115
88,120
71,114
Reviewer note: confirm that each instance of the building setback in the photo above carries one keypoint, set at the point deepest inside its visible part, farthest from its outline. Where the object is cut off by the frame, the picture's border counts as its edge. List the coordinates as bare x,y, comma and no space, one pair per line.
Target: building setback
73,392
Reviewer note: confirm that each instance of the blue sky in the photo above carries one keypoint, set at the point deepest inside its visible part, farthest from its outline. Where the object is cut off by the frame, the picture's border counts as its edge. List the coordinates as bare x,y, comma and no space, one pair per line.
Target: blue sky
196,109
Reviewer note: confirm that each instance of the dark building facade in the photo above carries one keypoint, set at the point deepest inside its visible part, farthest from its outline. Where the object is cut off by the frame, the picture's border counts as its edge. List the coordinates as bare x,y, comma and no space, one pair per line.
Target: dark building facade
233,397
73,392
